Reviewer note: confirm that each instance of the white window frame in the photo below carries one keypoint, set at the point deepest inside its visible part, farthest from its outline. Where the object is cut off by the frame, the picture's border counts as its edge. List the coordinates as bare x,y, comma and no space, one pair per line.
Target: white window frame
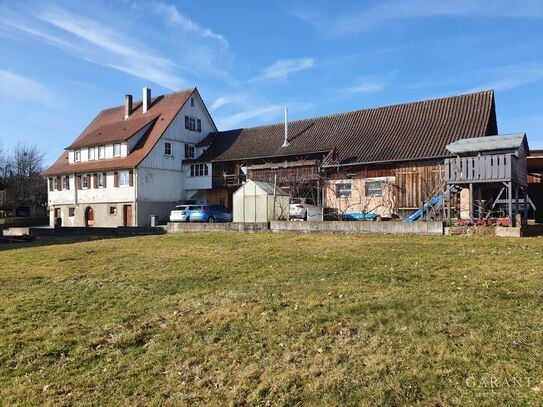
65,182
116,150
124,179
199,170
373,192
342,191
167,146
100,178
92,154
77,156
85,182
189,151
101,152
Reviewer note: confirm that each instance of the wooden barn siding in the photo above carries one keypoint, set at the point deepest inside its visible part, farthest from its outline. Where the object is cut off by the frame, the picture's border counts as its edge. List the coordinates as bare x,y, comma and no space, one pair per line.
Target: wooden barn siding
415,181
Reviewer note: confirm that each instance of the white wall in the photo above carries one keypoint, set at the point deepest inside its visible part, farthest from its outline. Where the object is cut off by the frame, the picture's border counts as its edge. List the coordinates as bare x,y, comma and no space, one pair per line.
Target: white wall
159,185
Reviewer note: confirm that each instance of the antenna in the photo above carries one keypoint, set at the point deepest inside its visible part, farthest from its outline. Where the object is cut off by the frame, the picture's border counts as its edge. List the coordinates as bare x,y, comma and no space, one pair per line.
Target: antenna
285,142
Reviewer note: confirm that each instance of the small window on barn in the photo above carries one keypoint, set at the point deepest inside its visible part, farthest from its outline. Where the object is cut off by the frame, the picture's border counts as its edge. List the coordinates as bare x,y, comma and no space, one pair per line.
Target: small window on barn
167,148
374,189
192,101
113,210
199,170
71,212
343,190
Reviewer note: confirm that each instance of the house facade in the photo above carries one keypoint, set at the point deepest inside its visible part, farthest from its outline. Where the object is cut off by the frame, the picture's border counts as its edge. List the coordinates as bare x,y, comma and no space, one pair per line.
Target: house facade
127,164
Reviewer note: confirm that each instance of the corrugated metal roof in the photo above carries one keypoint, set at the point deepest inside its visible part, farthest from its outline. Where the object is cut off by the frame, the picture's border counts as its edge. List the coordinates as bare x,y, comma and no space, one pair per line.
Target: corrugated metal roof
490,143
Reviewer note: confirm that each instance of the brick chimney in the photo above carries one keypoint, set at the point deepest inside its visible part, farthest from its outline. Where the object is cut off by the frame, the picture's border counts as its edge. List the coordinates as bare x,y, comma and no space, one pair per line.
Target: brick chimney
146,99
127,106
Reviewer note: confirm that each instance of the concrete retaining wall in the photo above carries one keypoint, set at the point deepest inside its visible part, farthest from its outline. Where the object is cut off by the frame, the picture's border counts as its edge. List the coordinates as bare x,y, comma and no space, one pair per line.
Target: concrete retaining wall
397,227
79,231
180,227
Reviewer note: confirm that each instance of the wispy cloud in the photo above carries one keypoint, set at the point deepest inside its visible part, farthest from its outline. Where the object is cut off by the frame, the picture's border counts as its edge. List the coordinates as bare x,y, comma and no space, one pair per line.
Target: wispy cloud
283,68
112,49
374,17
367,84
173,16
14,86
264,113
511,77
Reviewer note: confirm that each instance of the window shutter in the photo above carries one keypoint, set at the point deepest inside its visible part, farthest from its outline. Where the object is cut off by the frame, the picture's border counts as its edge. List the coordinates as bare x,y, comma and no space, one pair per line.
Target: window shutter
50,184
95,180
116,179
105,179
187,122
78,182
131,178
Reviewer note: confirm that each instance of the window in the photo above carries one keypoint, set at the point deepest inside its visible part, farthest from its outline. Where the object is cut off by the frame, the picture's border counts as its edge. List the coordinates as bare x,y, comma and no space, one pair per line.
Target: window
199,170
199,125
116,150
168,148
92,152
191,123
123,179
113,210
85,182
77,156
192,101
189,151
101,152
374,189
71,212
101,183
65,181
343,190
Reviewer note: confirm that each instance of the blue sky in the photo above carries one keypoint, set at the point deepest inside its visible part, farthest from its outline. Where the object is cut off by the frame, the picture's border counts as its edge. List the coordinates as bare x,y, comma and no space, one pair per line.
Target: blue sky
63,61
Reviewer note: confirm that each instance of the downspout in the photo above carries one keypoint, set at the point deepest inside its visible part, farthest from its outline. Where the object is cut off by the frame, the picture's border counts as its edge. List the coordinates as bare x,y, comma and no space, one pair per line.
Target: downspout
136,197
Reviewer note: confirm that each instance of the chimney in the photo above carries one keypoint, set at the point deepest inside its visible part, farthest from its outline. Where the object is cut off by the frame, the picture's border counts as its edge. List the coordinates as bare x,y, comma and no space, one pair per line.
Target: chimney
127,106
146,100
285,142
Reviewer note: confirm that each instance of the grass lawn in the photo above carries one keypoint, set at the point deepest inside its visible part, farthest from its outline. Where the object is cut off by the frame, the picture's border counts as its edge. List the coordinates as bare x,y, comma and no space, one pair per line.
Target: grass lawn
273,319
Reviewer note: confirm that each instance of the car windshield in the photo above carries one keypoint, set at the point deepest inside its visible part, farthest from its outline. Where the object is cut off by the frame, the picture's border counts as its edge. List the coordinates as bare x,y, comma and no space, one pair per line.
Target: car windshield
296,201
194,208
181,207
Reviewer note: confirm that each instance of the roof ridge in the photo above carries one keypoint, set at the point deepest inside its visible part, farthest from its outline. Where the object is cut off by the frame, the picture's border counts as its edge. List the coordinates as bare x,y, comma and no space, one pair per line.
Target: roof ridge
326,116
192,89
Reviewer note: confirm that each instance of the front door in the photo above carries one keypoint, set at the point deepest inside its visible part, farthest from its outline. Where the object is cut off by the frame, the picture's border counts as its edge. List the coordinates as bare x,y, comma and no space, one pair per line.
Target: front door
58,217
89,217
127,215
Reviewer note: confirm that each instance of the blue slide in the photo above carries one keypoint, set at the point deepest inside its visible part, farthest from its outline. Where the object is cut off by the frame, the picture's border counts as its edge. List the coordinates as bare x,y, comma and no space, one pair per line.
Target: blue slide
427,206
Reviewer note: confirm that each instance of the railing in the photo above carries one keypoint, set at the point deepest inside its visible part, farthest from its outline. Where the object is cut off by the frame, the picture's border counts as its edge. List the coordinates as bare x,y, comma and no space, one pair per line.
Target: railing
487,168
228,180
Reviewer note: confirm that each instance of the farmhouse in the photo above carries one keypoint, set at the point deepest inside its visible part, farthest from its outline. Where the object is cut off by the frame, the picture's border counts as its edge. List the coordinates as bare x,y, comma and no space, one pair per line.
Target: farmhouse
142,158
127,164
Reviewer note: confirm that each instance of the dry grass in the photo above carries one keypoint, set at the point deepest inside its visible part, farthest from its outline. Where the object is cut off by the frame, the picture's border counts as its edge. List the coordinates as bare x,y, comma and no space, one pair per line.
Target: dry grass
240,319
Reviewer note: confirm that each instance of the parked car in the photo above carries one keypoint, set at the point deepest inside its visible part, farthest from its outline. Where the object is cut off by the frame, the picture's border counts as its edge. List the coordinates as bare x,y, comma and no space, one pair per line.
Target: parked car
182,213
211,213
299,206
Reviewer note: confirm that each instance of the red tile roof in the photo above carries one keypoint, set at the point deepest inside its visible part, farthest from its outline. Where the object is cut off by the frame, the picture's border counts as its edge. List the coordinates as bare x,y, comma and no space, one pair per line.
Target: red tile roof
110,126
410,131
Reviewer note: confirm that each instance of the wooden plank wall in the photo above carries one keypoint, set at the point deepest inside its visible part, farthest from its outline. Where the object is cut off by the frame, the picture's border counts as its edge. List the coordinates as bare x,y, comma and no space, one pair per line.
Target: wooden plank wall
417,182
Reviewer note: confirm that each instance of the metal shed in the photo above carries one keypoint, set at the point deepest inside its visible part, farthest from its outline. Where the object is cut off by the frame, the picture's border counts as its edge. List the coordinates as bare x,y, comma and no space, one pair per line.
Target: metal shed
257,201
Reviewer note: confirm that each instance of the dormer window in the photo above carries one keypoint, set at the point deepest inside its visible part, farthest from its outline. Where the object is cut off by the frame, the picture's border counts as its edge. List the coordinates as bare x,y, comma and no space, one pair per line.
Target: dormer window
101,152
92,154
116,150
77,156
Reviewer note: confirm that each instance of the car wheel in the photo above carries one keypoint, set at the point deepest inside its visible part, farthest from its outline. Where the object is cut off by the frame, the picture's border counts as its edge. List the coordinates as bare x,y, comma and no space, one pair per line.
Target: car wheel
211,219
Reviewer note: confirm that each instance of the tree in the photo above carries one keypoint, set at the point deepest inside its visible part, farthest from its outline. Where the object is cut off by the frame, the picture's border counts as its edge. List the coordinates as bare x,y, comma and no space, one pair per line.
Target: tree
22,175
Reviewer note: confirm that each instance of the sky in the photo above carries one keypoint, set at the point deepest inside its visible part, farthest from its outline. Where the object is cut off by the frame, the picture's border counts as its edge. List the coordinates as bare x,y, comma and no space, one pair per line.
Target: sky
61,62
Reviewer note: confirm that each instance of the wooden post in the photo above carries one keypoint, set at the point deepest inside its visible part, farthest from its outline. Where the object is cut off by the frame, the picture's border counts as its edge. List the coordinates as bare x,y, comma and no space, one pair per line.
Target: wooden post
470,201
510,202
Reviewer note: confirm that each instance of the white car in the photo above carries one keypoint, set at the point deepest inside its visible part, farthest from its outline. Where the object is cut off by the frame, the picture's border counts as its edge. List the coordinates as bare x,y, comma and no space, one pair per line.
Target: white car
181,213
299,206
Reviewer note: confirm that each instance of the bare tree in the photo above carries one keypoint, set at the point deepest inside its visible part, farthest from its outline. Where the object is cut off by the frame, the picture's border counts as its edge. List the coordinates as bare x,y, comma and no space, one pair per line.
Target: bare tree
26,186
